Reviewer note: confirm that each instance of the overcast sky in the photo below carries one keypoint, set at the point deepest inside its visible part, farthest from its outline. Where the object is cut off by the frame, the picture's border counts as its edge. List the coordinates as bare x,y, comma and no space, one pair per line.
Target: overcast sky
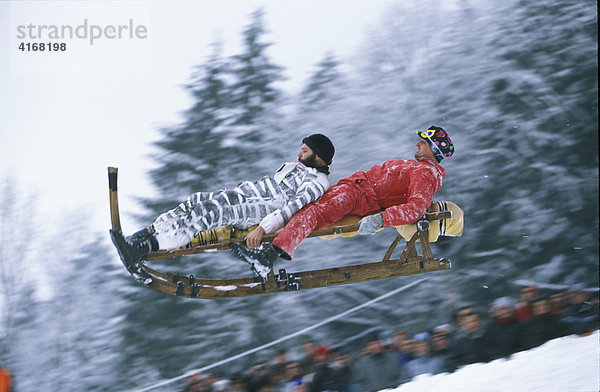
67,115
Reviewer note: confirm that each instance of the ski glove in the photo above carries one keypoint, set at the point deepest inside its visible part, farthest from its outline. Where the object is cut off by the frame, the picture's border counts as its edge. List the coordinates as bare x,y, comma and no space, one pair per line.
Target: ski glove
370,224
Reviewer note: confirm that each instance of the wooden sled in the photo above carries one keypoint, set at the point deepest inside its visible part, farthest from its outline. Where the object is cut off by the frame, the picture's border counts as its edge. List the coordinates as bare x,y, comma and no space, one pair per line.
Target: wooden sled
409,262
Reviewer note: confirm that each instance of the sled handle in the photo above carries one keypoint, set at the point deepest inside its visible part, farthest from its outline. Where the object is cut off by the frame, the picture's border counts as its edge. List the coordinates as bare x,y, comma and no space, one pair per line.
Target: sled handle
115,220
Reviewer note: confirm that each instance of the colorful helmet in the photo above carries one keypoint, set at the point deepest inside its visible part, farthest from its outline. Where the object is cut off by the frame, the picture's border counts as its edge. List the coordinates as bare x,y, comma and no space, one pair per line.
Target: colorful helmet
439,141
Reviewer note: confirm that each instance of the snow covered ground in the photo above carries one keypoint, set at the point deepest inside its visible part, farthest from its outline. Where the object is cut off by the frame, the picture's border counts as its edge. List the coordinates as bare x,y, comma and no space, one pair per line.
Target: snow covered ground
561,365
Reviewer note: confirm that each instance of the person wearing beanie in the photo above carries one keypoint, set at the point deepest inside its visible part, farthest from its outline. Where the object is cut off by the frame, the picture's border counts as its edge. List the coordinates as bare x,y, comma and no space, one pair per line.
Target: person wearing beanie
322,147
398,192
268,202
506,333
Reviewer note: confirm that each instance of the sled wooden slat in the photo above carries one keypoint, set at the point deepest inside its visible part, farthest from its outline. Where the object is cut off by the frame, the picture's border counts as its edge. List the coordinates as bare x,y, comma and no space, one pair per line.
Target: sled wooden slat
229,288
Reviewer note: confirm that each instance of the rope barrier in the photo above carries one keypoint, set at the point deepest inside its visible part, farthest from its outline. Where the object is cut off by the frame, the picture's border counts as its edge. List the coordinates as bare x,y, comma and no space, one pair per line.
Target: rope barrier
282,339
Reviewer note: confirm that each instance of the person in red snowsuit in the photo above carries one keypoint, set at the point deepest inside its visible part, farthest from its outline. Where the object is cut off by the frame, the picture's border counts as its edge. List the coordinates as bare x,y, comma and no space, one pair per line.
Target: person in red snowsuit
404,188
399,191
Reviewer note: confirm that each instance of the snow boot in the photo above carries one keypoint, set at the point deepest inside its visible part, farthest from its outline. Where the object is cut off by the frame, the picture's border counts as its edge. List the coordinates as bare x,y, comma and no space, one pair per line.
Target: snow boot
139,238
131,254
261,259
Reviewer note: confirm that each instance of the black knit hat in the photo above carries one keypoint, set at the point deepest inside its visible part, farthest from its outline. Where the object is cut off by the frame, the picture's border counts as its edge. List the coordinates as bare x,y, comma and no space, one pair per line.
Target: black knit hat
321,145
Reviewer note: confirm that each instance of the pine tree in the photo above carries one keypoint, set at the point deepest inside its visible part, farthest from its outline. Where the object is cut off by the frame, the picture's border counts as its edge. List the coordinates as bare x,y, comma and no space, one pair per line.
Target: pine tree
254,92
187,161
234,119
323,85
254,125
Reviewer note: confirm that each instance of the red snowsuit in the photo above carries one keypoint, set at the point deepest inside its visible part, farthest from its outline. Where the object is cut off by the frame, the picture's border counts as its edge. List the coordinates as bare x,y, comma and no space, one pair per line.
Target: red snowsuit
404,188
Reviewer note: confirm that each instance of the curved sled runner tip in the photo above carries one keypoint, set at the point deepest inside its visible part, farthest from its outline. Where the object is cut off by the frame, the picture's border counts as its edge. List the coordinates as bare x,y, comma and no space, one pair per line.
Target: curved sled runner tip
129,261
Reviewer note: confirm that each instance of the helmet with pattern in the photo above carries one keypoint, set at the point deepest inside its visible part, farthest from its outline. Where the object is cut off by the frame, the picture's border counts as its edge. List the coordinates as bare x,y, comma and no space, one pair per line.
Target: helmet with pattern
439,142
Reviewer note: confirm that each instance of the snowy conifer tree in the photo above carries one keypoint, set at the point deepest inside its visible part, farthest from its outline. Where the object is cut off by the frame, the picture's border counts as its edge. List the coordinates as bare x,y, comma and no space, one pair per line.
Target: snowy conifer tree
224,133
253,91
323,85
187,162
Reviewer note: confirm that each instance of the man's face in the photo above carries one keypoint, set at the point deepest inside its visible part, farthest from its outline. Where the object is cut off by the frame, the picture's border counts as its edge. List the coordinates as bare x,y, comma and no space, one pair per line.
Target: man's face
471,323
308,348
307,156
423,150
540,307
420,348
529,293
374,347
322,358
463,313
441,341
293,370
503,312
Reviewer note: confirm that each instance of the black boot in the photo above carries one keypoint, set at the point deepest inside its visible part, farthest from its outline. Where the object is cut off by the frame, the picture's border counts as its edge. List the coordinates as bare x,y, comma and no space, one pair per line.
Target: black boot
261,259
131,254
140,237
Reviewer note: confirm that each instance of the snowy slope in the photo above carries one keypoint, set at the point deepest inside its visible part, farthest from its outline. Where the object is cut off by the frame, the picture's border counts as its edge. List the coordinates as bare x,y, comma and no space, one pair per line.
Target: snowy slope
562,365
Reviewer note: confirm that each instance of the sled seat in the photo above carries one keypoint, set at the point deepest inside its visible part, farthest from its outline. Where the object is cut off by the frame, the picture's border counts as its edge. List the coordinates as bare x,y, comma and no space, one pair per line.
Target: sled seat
445,227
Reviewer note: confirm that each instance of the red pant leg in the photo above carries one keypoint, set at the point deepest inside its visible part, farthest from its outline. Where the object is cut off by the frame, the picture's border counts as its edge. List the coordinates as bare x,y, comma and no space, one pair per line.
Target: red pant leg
336,203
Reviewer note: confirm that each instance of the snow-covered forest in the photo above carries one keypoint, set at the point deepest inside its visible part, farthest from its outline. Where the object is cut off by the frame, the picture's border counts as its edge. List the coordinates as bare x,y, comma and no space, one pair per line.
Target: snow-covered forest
515,85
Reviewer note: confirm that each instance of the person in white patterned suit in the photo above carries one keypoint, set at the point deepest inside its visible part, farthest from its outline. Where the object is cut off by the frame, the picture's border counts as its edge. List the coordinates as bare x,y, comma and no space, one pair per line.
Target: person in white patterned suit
268,202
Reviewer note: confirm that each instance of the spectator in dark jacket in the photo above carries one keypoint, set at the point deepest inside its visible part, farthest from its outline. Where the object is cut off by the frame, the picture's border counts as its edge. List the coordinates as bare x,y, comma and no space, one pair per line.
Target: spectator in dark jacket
505,332
459,317
342,372
307,357
376,368
424,362
440,347
582,316
258,378
403,347
543,325
294,379
472,344
323,379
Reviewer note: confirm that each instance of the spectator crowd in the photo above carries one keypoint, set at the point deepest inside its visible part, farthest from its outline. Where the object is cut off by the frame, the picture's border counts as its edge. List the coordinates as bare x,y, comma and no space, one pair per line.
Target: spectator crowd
471,336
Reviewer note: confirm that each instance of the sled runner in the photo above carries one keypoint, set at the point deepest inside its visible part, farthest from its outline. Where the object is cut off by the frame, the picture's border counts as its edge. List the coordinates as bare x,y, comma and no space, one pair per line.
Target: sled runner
441,219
